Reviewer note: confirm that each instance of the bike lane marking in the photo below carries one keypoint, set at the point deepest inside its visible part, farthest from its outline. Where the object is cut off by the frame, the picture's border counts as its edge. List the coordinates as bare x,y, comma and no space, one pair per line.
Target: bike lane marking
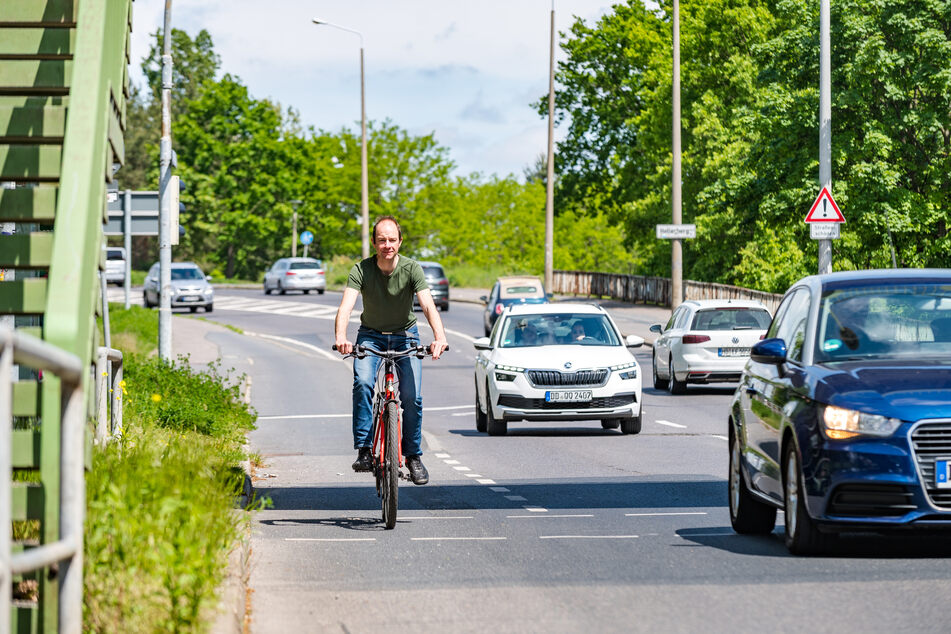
667,423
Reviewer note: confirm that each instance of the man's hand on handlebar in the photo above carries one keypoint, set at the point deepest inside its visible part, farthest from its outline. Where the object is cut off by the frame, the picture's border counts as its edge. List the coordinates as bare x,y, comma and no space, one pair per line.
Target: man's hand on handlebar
437,347
343,346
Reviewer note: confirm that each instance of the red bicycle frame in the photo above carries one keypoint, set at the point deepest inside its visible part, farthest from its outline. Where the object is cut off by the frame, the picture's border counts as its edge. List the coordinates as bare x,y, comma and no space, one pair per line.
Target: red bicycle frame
389,395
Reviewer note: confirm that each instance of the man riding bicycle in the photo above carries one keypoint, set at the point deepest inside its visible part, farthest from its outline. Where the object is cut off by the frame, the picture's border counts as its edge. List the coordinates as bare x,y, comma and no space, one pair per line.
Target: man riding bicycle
388,282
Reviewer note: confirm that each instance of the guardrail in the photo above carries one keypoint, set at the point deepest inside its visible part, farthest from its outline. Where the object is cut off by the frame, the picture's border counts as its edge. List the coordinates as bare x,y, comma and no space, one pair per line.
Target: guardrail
109,410
67,551
642,289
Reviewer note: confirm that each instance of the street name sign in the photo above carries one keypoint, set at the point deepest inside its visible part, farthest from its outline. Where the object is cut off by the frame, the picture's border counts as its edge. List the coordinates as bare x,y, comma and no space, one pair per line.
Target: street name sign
676,232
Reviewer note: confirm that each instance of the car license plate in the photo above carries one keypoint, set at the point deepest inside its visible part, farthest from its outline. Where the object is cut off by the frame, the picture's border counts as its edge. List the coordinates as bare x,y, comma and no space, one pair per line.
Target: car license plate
942,473
734,352
190,298
568,396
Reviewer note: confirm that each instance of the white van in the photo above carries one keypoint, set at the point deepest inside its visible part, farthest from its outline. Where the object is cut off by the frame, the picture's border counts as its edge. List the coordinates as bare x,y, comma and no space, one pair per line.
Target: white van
115,265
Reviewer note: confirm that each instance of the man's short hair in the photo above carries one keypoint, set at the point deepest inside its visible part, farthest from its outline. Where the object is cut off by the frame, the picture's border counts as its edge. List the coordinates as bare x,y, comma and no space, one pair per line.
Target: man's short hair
399,229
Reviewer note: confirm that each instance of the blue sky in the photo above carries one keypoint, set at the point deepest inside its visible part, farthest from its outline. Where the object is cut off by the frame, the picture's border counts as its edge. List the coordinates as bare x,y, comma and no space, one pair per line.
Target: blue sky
462,69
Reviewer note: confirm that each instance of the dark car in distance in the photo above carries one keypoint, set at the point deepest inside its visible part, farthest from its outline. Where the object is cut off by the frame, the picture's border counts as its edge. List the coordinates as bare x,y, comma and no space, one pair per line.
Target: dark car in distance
510,290
438,285
843,414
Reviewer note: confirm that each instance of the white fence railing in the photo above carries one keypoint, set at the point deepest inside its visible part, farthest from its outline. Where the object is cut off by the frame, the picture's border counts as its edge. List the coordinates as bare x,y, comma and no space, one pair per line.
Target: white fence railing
68,550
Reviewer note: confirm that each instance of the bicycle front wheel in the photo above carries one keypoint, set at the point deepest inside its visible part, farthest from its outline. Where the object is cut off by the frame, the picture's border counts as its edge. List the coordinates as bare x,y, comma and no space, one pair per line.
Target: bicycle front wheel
391,463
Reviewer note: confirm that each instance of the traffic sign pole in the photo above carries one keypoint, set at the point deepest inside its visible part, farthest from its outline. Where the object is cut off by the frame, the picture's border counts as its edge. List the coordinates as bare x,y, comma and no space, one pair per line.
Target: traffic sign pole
825,124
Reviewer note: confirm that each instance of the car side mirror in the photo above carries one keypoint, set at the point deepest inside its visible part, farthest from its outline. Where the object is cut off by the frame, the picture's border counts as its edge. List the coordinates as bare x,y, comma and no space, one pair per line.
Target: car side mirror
208,278
633,341
657,328
771,351
483,299
153,279
482,343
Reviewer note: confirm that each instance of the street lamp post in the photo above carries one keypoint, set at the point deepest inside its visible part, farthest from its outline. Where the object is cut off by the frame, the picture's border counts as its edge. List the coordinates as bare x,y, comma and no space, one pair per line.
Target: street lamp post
676,256
364,185
550,184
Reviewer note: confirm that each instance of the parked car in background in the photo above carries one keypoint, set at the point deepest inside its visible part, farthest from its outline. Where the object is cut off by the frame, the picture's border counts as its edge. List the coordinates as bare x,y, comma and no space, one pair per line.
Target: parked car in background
295,274
190,287
438,285
843,414
115,265
557,363
706,341
518,289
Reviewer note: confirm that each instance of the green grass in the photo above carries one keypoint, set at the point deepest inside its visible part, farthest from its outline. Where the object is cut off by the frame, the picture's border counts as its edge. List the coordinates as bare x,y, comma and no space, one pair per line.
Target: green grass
160,499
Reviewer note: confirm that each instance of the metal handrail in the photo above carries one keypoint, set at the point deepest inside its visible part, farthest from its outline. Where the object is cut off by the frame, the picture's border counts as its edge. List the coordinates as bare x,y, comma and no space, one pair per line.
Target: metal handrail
109,410
68,550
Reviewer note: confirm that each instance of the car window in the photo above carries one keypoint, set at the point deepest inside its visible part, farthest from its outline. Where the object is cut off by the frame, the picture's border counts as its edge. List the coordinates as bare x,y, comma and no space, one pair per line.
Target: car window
433,271
730,319
670,322
296,266
681,321
792,325
521,290
187,274
153,272
115,254
523,331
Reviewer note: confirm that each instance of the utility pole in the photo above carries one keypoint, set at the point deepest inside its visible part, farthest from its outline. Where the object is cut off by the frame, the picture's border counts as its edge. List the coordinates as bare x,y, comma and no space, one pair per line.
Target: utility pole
550,183
364,177
825,124
676,256
295,204
165,217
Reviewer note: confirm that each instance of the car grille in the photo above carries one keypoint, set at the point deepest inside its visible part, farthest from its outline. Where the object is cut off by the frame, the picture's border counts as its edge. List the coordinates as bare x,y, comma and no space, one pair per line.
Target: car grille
871,500
929,442
604,402
554,378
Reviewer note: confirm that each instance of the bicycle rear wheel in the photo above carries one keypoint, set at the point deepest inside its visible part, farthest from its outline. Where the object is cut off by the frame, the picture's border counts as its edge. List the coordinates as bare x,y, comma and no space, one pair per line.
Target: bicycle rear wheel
391,464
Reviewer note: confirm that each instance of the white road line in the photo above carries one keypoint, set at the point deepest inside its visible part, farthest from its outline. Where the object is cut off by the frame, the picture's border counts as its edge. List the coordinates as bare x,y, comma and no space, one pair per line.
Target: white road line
660,514
516,498
330,539
670,424
449,407
721,437
456,539
485,481
523,517
588,536
691,535
473,475
499,489
437,517
535,509
320,351
462,468
451,461
442,455
462,414
304,416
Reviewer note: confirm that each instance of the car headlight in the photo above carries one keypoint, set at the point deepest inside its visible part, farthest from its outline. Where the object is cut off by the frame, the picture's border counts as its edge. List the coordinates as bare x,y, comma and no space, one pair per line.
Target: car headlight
507,373
209,291
840,423
626,370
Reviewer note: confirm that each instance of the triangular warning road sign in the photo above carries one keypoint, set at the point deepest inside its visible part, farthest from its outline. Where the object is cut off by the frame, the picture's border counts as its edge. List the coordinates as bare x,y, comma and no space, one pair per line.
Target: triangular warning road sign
825,209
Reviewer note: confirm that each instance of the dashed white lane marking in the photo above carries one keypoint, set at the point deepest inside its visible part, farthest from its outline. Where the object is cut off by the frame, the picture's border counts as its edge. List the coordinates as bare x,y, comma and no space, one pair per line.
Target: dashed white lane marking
588,536
516,498
457,539
523,517
437,517
535,509
721,437
462,414
442,455
303,416
462,468
485,481
499,489
450,461
473,475
661,514
330,539
670,424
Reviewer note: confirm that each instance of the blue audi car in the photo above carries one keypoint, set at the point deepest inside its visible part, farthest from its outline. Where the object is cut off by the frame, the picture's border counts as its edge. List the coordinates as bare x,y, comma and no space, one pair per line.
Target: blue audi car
842,417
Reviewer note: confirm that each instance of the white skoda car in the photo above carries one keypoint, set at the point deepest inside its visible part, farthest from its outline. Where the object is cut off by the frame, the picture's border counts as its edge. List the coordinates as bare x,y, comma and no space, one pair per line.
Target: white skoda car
557,362
706,341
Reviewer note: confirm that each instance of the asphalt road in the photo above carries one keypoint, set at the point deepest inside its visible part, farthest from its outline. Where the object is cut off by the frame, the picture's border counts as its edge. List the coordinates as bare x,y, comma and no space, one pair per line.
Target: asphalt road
557,528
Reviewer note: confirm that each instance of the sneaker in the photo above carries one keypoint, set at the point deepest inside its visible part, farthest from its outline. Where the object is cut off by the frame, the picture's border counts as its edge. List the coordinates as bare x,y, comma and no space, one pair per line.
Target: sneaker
364,461
417,472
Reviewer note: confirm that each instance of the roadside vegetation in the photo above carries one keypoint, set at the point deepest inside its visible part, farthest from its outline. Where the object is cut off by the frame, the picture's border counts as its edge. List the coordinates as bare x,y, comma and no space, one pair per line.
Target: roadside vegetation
161,498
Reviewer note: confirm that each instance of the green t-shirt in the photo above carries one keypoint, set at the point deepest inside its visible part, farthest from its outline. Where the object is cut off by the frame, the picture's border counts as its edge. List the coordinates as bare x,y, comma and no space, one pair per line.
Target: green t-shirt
387,299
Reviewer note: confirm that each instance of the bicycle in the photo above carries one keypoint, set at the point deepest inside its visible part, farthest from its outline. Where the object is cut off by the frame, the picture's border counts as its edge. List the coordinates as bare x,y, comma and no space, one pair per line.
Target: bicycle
387,433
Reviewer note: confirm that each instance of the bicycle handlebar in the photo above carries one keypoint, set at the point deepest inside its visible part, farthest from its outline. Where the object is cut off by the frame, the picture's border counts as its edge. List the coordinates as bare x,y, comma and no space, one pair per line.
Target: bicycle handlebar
361,351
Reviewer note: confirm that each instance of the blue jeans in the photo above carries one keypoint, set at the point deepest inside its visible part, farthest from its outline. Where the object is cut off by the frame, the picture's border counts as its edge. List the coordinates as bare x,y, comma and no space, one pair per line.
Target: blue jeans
409,371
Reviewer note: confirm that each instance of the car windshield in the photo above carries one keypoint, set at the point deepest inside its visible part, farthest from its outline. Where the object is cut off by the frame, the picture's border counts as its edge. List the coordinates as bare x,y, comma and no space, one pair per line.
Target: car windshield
187,274
305,265
115,254
731,318
899,321
562,329
433,271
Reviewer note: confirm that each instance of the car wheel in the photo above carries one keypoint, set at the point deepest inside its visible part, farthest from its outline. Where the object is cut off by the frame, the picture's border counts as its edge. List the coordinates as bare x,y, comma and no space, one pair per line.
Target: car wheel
145,300
659,383
320,291
676,387
209,308
748,515
494,426
802,534
631,425
306,291
445,307
480,415
610,423
281,289
193,309
267,291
